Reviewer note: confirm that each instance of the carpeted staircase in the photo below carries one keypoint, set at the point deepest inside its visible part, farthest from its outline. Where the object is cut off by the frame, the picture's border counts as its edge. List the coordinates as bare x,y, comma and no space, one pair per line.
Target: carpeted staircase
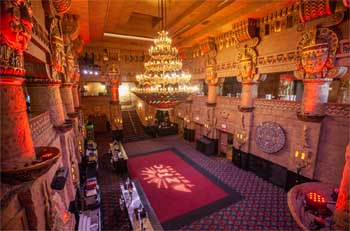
132,127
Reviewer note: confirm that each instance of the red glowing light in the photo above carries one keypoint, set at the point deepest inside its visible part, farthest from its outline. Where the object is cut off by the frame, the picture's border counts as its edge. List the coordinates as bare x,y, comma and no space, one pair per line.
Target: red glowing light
314,197
65,217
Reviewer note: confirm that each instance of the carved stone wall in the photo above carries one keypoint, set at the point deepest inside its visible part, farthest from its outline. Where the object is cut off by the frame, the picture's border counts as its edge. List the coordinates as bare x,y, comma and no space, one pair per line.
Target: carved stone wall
327,140
67,98
47,97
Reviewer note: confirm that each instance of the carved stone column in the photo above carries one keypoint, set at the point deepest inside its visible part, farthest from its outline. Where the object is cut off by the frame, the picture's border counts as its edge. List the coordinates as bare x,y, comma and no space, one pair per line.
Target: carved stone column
67,97
342,213
249,94
45,96
17,148
212,81
316,68
245,36
75,92
249,77
114,90
75,95
209,50
115,111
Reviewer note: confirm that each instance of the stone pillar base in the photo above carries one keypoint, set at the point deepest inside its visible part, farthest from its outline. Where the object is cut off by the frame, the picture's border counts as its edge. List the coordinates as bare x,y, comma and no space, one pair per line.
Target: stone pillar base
67,97
249,94
17,149
46,96
212,94
75,95
315,96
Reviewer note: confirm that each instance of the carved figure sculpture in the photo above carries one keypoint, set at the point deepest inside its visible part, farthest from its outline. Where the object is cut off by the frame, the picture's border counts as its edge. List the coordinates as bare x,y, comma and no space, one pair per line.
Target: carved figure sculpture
248,74
57,48
316,53
16,28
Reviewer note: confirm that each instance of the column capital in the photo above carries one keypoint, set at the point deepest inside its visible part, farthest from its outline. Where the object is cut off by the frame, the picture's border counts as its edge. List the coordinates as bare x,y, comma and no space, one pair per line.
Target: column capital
11,80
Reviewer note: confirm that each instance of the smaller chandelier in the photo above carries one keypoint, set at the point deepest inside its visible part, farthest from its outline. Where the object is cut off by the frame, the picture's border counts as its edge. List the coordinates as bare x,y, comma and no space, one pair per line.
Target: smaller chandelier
163,84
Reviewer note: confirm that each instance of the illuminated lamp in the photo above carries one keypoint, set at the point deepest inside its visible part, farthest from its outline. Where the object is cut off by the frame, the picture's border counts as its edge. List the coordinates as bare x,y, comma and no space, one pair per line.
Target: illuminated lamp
46,154
65,216
60,178
85,72
315,201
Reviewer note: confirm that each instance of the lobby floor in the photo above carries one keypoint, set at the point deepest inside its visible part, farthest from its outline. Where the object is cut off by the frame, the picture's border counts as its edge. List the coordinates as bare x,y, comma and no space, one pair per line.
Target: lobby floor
264,206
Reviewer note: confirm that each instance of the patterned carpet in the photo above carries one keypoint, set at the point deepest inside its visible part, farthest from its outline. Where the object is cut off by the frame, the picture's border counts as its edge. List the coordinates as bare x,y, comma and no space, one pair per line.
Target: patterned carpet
263,208
112,216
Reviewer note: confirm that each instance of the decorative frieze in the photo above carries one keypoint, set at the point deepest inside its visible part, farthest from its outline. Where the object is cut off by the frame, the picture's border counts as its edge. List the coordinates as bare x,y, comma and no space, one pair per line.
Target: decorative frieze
244,30
97,54
277,59
283,105
41,34
39,124
310,9
225,40
280,20
334,109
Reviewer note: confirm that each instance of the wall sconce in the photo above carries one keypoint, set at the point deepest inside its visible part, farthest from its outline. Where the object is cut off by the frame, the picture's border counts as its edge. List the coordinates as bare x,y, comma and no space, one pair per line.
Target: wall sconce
74,175
187,119
148,118
80,147
301,159
196,118
139,105
241,138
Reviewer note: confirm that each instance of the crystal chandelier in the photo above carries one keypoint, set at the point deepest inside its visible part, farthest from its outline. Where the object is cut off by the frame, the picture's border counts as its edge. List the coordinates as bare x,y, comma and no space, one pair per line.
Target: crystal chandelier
163,84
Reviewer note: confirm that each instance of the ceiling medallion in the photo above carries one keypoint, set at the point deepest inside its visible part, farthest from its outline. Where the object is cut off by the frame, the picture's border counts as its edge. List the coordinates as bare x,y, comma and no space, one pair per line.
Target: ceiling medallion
163,84
270,137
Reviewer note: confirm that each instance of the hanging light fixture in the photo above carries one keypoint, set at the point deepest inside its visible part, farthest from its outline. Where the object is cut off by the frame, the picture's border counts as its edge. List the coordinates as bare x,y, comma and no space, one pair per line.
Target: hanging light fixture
164,83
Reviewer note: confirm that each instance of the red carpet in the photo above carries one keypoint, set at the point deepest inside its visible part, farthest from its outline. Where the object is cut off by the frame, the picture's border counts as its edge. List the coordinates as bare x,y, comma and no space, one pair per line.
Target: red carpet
172,185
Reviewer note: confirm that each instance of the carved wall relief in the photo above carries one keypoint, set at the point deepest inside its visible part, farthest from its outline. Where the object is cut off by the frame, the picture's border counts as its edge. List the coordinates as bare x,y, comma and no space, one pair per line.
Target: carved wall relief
270,137
57,49
314,9
316,52
16,29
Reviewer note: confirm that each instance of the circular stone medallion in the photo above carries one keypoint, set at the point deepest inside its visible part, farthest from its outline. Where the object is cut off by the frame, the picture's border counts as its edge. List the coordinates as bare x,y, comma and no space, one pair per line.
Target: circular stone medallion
270,137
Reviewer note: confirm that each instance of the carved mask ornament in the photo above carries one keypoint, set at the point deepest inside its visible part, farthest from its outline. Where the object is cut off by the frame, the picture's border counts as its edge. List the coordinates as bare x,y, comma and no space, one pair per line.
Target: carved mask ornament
210,70
211,74
246,68
246,65
317,53
16,23
314,58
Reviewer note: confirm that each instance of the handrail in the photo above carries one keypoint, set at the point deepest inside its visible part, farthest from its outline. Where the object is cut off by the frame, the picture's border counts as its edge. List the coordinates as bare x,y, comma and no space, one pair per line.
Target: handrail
132,122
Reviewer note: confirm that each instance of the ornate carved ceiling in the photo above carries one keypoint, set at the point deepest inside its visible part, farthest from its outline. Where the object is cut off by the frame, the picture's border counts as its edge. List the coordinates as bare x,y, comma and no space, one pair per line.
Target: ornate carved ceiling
188,21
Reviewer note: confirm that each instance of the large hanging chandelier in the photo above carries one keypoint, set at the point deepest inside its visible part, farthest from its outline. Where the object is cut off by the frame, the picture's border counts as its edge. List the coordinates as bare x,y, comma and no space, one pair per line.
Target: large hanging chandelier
164,84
